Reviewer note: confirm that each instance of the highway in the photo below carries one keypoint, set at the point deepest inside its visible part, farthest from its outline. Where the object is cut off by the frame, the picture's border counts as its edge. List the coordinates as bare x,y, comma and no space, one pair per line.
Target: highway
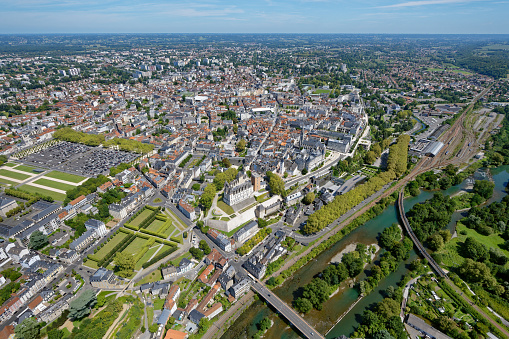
292,316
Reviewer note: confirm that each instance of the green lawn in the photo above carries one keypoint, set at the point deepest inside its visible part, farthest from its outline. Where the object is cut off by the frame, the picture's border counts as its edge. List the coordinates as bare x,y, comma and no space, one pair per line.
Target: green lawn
9,182
176,261
450,252
227,209
179,223
33,189
321,91
14,175
135,246
27,168
117,239
64,176
54,184
154,226
158,304
11,164
142,216
91,263
147,256
169,230
153,277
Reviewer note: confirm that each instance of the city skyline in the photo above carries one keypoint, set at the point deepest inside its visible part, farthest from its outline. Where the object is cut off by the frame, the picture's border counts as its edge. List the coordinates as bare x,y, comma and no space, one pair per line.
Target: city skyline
268,16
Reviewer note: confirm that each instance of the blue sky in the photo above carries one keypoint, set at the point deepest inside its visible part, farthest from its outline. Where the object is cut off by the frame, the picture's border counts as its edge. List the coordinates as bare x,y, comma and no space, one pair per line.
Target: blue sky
254,16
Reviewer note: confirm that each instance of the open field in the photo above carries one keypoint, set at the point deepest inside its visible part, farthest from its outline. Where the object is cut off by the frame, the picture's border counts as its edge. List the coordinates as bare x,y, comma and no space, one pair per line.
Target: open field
321,91
135,246
27,169
14,175
10,164
54,184
450,254
142,216
64,176
33,189
154,226
91,263
117,239
169,230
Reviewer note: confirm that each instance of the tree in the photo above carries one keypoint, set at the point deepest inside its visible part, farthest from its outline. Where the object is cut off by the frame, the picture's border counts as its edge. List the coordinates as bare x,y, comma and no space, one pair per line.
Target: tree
370,157
276,185
153,328
303,305
38,240
309,198
304,171
28,329
436,242
208,195
55,334
80,307
124,264
204,247
484,188
203,325
226,163
475,250
241,146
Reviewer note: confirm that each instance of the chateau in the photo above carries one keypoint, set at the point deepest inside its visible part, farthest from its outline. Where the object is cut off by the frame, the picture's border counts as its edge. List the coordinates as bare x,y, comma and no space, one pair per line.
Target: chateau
237,190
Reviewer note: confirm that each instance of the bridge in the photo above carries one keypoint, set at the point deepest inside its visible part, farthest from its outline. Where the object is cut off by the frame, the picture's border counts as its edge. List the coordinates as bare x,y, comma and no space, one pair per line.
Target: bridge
416,241
292,316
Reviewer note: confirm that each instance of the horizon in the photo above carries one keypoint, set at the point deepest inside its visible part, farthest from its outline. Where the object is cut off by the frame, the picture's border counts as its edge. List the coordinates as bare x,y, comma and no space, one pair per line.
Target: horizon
263,17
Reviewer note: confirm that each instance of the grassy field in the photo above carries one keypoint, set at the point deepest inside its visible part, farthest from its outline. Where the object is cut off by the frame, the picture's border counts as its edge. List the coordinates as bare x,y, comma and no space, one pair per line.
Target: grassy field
27,168
91,264
117,239
169,230
9,182
321,91
142,216
176,261
135,246
450,253
33,189
54,184
179,223
14,175
10,164
146,257
64,176
227,209
154,226
153,277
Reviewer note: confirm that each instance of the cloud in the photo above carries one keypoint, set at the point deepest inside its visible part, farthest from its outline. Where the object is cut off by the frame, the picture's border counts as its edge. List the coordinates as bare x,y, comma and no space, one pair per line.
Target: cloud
426,3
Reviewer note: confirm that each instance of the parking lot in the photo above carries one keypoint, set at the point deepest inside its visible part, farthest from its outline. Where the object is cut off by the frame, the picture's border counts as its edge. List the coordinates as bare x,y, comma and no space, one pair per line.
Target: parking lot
79,159
433,122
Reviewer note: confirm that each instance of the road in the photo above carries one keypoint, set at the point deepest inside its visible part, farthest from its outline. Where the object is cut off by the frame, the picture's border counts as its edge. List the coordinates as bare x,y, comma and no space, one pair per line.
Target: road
290,315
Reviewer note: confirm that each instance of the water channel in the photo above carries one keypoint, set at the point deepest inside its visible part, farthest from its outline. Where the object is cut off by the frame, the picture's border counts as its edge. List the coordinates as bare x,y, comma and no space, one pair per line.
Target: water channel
245,325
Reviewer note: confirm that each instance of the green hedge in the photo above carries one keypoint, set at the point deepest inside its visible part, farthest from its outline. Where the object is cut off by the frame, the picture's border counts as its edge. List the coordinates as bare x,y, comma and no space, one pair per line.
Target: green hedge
160,256
152,233
118,248
176,240
131,227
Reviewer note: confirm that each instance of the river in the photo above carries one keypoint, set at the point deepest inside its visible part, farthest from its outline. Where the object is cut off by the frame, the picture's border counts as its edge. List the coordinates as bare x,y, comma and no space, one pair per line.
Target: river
245,326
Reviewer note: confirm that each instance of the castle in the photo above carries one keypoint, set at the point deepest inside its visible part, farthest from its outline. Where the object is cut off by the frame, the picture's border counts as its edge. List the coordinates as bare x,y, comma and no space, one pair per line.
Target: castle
237,190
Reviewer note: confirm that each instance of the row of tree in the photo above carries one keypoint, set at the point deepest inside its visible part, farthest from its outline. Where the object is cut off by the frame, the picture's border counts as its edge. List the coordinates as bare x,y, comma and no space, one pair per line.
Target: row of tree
397,165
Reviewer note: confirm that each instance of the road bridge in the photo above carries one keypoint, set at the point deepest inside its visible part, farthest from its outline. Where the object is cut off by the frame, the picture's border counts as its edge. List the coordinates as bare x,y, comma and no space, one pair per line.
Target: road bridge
293,317
438,270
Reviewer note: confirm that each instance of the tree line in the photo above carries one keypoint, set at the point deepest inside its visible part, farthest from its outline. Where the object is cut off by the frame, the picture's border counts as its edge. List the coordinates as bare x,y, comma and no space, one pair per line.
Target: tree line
397,165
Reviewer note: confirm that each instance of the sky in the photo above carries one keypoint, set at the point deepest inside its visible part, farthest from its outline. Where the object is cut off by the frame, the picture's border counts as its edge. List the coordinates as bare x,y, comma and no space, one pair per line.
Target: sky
255,16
